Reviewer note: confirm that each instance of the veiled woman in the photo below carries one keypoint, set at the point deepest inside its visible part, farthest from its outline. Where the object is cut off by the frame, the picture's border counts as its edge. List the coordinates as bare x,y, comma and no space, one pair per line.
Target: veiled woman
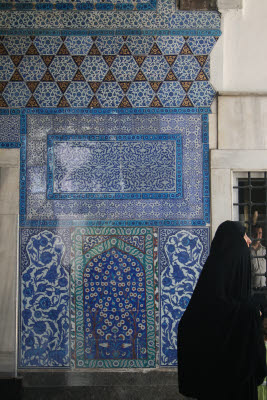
221,351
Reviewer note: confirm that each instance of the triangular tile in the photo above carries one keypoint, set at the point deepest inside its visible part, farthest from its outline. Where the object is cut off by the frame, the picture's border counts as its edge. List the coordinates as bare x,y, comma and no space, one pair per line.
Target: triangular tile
186,37
140,76
94,103
63,38
47,77
156,102
94,51
216,38
32,51
2,37
63,51
186,85
109,59
124,38
171,76
125,86
186,102
109,77
32,38
32,102
79,76
3,50
155,50
16,77
63,102
201,60
78,60
124,51
170,59
139,60
16,60
155,85
94,38
3,102
201,76
63,86
186,50
94,86
125,103
32,86
2,86
47,60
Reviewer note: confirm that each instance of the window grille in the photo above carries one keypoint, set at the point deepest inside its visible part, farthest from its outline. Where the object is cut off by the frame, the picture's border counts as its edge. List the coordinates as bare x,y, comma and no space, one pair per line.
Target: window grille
250,208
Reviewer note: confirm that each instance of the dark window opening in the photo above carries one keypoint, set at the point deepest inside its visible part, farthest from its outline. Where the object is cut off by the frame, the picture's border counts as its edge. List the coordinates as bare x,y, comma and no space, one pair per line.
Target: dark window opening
200,5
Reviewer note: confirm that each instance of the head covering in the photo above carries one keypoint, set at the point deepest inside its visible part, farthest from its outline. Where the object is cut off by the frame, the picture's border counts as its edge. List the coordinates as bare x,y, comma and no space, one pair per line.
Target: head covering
219,335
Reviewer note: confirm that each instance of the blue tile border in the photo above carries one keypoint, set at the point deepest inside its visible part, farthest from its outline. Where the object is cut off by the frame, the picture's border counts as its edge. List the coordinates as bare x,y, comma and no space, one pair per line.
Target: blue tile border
51,195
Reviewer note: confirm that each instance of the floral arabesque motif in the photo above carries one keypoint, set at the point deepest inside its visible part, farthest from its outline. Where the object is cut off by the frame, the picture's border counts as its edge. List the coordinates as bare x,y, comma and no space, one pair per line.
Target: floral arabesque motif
183,251
45,304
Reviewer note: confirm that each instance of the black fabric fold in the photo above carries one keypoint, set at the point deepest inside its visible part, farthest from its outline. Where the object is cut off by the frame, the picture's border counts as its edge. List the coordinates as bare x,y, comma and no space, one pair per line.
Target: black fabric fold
221,349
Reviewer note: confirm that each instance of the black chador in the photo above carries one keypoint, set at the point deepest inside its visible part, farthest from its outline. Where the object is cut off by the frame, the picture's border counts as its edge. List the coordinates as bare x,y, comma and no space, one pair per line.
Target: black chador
221,351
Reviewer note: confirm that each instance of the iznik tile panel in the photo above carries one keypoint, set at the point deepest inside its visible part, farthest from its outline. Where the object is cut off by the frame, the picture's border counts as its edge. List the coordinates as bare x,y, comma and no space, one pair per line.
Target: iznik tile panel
191,206
45,302
113,298
125,166
182,253
99,72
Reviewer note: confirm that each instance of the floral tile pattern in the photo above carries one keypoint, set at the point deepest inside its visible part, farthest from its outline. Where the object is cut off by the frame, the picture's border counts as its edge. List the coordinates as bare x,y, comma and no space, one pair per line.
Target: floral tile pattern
112,271
182,252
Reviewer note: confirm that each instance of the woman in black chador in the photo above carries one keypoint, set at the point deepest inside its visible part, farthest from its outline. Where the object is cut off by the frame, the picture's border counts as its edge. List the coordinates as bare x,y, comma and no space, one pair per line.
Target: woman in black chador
221,352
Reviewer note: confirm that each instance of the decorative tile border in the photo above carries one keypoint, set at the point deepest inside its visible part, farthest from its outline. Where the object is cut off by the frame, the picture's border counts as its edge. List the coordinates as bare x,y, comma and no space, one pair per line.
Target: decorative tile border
117,328
182,252
128,171
35,210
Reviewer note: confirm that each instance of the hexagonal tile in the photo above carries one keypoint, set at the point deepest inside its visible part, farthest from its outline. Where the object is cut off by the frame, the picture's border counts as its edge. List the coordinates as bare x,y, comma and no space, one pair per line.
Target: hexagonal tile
32,68
124,68
201,44
201,94
186,67
17,45
94,68
16,94
109,44
171,94
78,94
79,45
47,45
170,44
155,68
6,68
63,68
47,94
110,94
140,94
139,45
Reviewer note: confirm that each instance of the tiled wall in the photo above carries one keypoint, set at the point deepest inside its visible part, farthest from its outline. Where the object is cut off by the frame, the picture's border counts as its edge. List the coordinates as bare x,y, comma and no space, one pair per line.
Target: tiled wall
112,128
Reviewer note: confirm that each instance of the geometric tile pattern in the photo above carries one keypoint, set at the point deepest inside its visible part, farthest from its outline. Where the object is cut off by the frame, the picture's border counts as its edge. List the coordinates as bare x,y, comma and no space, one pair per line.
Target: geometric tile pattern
140,167
44,340
10,128
105,71
190,207
112,298
182,253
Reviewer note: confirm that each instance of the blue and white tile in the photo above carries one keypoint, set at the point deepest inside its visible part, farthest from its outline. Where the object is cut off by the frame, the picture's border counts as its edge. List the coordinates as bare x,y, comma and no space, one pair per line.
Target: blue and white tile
17,45
171,94
201,94
47,94
110,94
109,45
78,94
78,45
63,68
10,128
32,68
170,45
182,253
124,68
201,44
155,68
16,94
186,67
47,45
140,94
6,68
139,45
94,68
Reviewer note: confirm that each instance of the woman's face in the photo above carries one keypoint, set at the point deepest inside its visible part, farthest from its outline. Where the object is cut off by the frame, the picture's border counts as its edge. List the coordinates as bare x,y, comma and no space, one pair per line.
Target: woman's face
247,239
